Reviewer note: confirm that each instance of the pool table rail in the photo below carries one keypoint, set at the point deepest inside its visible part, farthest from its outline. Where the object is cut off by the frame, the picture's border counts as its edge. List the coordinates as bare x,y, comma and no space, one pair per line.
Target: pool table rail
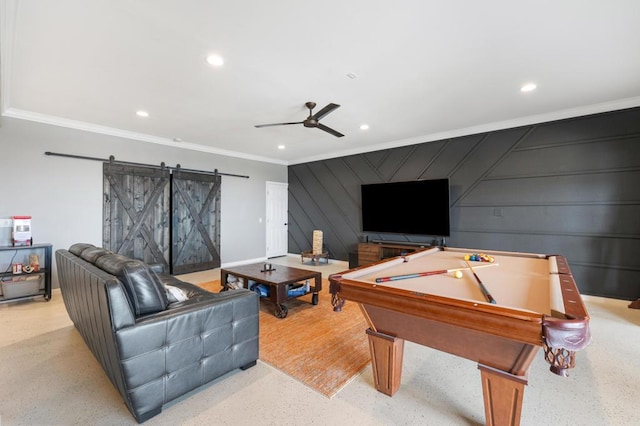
475,315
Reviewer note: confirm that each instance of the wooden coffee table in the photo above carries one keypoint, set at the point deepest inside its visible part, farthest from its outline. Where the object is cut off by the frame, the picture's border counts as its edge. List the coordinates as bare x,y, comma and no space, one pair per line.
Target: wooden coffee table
279,280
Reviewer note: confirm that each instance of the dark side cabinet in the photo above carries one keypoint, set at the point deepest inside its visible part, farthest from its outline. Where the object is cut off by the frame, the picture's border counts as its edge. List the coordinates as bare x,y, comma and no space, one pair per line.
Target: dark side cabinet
372,252
19,283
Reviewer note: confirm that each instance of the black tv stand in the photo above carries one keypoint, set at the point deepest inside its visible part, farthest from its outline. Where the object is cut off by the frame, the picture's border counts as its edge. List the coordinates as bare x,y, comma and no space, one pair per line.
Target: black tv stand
400,243
376,250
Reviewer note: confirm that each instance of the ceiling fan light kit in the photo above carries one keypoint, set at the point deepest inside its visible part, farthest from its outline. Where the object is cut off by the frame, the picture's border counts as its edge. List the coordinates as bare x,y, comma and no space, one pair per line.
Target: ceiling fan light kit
313,119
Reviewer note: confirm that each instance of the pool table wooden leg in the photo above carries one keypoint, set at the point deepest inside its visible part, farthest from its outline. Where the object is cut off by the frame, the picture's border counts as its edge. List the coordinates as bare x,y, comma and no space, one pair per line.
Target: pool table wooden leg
503,394
386,361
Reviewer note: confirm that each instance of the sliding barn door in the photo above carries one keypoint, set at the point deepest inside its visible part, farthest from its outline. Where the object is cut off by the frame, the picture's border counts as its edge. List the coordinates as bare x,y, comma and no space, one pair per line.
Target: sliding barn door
195,221
136,212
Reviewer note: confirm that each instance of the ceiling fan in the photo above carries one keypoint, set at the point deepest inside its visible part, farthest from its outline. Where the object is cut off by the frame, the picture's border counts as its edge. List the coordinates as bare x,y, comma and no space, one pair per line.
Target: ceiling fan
313,119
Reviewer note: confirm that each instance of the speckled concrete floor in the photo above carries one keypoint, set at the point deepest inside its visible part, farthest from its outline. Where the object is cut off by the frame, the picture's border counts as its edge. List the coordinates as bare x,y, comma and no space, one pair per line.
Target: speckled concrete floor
48,376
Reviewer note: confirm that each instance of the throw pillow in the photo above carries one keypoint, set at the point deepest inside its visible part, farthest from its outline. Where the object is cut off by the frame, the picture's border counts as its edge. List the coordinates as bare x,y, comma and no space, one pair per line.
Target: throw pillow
174,294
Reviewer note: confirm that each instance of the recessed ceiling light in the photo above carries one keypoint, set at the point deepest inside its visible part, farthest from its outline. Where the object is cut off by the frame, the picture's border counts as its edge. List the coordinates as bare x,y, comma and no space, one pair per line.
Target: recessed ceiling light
352,75
281,146
142,113
528,87
364,127
215,60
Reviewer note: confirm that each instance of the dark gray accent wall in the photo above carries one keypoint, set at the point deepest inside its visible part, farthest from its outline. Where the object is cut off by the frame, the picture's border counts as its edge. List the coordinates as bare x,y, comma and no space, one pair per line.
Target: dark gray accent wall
570,187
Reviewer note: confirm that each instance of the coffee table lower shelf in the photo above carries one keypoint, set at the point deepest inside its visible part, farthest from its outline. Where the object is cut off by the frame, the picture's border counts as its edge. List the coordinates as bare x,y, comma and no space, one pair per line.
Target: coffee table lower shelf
279,281
281,311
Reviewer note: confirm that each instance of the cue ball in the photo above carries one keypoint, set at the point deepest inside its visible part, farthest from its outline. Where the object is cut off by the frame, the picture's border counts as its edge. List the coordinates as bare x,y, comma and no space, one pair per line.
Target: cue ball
457,274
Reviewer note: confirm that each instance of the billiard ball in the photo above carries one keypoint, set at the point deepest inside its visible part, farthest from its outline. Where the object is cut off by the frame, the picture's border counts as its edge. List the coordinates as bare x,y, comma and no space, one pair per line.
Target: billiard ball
457,274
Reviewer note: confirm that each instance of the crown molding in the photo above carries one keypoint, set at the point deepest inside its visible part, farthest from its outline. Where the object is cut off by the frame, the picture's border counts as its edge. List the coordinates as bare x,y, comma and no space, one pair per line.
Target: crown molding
142,137
489,127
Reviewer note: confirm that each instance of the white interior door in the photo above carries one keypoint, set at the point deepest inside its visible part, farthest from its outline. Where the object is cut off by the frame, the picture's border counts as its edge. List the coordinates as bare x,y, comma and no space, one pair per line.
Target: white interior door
277,217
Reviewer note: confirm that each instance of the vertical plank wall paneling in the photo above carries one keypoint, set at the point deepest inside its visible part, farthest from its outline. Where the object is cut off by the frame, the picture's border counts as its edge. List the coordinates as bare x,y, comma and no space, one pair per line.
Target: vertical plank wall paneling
569,186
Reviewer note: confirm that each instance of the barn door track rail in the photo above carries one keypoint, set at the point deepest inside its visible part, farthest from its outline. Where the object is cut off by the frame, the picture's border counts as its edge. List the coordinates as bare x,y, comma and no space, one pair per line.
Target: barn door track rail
112,160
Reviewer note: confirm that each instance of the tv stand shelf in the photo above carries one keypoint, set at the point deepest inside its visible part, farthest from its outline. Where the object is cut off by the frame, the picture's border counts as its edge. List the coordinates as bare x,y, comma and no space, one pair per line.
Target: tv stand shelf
376,251
23,285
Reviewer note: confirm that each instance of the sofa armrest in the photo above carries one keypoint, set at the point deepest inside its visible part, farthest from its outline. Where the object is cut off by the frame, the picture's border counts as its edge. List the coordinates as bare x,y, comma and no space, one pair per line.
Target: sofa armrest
205,312
187,346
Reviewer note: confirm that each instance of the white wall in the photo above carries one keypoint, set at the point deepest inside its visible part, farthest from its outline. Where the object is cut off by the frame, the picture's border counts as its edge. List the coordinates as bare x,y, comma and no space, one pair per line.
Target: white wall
64,195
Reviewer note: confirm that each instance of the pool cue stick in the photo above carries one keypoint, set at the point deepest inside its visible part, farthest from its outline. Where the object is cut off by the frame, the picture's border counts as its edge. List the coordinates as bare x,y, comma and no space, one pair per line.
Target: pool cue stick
484,290
415,275
426,274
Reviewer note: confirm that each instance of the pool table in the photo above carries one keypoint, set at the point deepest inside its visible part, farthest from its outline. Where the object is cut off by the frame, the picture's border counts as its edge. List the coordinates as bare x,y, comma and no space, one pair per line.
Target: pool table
417,297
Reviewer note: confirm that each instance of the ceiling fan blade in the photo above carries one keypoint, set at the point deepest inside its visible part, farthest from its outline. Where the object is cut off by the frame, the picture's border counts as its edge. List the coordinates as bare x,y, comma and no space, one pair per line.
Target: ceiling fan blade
277,124
324,111
330,130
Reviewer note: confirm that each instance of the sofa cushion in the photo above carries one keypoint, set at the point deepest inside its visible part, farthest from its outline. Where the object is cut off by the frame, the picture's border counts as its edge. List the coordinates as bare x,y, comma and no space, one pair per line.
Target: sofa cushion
143,286
146,292
111,263
78,248
92,254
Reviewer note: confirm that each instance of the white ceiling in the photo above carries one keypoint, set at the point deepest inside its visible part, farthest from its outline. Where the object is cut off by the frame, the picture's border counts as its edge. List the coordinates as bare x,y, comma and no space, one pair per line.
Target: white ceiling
426,70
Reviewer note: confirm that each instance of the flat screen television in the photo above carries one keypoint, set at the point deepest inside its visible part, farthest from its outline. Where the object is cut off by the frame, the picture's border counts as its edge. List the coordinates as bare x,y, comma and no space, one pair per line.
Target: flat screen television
419,207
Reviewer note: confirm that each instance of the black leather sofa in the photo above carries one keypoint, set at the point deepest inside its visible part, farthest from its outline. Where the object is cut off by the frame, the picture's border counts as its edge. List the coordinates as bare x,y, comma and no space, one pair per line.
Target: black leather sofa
154,346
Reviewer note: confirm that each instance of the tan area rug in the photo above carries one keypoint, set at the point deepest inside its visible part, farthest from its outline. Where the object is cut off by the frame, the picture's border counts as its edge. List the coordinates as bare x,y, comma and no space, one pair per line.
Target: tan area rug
321,348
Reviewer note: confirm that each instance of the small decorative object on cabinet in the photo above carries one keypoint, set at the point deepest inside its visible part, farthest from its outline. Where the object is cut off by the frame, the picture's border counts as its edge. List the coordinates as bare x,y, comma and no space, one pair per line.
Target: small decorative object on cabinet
21,234
25,272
